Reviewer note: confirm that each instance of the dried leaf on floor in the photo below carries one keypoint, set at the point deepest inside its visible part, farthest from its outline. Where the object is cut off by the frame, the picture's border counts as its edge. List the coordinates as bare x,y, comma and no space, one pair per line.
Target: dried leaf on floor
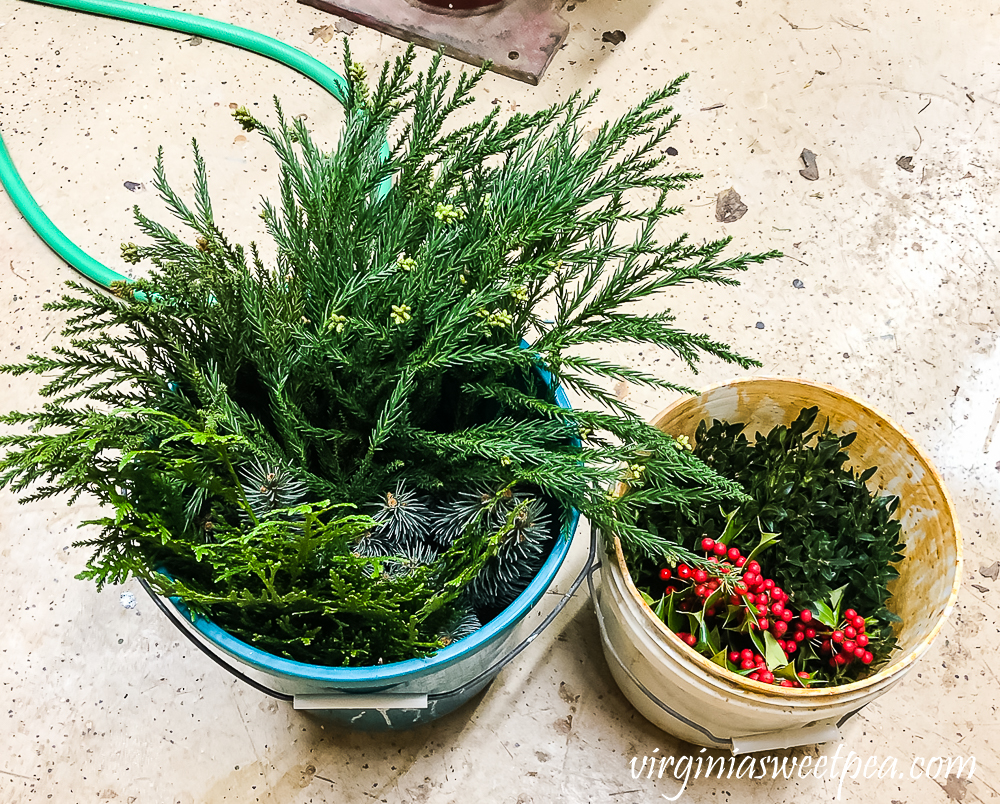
324,32
992,571
729,207
346,26
811,169
613,37
906,163
979,588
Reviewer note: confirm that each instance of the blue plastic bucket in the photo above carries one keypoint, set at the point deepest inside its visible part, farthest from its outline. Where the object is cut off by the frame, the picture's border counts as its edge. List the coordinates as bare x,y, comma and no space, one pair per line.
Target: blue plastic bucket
399,695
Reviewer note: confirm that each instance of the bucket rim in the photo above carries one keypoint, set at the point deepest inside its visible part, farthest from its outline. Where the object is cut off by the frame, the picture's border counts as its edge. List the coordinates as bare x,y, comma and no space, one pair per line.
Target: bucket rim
883,675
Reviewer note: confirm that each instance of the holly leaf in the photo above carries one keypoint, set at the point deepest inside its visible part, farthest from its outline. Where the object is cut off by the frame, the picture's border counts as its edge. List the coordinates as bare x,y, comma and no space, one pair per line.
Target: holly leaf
836,596
721,660
824,614
674,620
660,610
774,656
766,540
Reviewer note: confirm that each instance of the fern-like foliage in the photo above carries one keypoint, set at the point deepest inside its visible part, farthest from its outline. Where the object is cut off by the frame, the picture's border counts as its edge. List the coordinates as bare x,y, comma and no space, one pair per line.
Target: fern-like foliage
223,407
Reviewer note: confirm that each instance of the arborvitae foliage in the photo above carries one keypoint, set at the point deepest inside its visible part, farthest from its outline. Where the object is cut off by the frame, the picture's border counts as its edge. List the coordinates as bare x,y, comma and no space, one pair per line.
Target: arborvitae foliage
221,406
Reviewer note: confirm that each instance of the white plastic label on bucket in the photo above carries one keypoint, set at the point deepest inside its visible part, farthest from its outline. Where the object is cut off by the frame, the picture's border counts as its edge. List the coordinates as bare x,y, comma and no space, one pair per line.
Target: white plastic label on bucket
695,699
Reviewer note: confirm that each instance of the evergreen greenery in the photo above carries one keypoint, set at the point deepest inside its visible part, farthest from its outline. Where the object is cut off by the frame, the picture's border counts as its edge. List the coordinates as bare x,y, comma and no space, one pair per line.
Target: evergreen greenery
828,536
391,359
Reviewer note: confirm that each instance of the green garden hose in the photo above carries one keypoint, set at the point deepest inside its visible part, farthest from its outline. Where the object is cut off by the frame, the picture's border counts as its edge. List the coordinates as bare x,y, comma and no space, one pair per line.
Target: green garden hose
174,21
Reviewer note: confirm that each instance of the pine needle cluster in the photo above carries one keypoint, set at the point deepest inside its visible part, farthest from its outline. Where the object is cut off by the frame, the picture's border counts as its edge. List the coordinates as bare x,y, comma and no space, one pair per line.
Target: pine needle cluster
432,287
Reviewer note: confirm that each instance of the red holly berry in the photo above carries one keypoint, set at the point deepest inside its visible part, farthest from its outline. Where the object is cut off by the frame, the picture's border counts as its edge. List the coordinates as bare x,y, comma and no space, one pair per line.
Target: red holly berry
766,676
733,554
683,571
754,676
859,652
810,633
754,567
837,636
665,574
859,623
849,632
707,544
861,640
759,660
792,646
779,628
867,658
802,674
787,682
746,654
850,614
787,615
720,549
740,562
699,576
734,656
701,590
762,623
768,584
747,664
777,608
750,579
714,584
799,636
805,615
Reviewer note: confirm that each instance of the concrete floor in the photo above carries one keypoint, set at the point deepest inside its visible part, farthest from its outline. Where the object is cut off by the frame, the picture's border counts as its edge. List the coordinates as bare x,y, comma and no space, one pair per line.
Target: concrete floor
897,304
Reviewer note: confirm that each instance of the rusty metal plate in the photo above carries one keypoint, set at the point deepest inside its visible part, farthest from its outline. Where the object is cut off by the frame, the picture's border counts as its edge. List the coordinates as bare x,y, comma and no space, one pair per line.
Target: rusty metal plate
519,37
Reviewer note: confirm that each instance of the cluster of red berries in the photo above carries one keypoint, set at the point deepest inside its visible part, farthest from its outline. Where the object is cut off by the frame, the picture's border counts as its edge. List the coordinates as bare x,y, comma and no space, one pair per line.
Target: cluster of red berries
766,608
847,643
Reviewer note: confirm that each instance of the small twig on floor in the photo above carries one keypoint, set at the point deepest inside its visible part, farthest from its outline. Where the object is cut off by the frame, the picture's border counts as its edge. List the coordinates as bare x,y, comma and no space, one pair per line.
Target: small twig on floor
790,257
18,775
713,106
993,428
926,104
317,776
16,273
797,27
851,25
921,139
